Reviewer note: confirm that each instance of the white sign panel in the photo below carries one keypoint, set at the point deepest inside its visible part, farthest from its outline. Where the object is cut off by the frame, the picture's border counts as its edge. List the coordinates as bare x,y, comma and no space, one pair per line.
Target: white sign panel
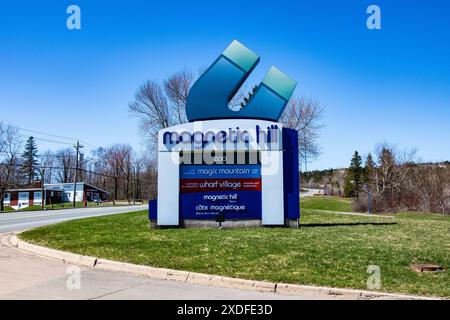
201,137
239,134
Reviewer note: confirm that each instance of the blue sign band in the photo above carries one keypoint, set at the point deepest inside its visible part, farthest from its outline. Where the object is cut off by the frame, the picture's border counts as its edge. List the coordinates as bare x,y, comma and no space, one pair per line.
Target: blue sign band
219,171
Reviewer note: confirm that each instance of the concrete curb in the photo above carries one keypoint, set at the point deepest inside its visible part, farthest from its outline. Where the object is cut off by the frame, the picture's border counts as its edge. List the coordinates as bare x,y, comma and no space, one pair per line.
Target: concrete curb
5,240
227,282
294,289
200,278
151,272
65,257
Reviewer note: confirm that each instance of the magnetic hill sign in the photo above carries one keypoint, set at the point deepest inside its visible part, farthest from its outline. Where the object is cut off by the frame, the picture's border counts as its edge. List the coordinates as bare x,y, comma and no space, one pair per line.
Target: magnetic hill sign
241,165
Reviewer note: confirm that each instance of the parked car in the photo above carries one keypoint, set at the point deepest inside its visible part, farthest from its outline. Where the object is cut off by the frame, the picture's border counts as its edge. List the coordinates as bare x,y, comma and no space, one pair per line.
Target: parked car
97,200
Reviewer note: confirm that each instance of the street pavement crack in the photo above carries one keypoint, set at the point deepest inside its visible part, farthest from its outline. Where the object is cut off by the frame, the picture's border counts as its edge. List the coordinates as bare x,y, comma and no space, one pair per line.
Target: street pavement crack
120,290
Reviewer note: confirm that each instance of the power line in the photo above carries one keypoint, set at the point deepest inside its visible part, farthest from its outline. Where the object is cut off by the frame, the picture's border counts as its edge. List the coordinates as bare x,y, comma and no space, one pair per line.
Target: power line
46,134
52,155
55,136
72,168
92,147
47,140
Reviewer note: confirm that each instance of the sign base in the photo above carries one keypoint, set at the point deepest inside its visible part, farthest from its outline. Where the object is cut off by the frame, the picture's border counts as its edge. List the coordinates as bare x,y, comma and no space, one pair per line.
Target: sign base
235,223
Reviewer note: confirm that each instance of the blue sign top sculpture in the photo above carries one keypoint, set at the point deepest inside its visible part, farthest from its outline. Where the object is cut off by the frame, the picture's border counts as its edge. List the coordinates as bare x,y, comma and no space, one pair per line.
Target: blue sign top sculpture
211,93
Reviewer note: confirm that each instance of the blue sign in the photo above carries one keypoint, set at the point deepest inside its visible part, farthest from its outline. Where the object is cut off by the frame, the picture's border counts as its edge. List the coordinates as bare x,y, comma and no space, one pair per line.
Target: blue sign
220,171
209,190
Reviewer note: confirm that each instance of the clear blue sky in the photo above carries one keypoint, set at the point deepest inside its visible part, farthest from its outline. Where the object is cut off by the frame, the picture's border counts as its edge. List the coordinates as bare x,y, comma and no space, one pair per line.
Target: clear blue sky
390,85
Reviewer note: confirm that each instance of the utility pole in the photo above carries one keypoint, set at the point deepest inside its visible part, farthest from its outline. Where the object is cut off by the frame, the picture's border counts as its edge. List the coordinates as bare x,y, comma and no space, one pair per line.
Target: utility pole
42,173
77,147
134,184
42,194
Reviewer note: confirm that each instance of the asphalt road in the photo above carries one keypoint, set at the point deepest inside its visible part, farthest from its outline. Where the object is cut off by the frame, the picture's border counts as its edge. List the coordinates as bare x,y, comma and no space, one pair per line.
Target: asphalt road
15,221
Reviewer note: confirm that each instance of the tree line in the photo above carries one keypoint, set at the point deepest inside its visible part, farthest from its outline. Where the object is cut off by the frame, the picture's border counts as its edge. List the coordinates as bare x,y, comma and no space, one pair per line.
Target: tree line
395,179
398,183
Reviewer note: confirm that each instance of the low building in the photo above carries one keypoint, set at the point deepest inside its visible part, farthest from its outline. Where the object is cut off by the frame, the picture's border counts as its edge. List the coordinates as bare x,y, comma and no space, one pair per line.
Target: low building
85,192
23,197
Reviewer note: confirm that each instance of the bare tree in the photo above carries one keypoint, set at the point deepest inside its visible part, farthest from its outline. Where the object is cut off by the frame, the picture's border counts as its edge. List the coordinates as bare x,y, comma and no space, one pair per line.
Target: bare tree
118,161
3,142
140,164
114,171
428,187
157,109
150,176
127,170
151,107
441,183
99,166
305,115
10,145
177,88
399,182
46,168
66,163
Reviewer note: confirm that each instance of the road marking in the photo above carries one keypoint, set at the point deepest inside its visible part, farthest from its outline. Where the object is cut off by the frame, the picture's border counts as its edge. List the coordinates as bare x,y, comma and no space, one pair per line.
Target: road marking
55,220
61,217
39,214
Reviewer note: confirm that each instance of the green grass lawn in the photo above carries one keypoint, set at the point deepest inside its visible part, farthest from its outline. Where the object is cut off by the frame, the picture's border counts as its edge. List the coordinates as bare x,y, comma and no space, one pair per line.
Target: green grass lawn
328,250
327,203
7,209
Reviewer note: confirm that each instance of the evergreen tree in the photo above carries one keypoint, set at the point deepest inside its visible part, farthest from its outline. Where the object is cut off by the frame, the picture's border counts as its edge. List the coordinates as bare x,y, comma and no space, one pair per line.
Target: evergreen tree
349,190
29,161
369,169
354,178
